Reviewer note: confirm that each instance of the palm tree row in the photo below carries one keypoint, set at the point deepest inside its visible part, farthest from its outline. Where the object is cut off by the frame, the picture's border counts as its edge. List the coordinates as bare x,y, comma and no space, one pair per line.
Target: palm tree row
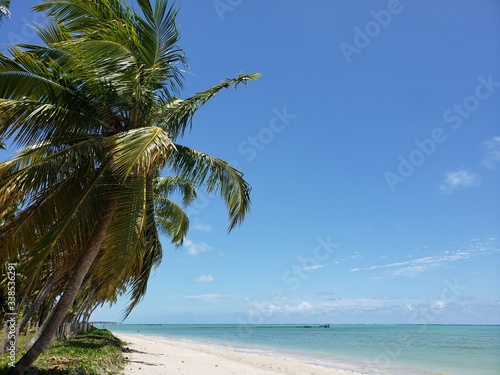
40,293
97,118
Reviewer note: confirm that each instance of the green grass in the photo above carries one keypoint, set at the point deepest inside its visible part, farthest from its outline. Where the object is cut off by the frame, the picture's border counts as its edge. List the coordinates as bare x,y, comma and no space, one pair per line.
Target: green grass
96,352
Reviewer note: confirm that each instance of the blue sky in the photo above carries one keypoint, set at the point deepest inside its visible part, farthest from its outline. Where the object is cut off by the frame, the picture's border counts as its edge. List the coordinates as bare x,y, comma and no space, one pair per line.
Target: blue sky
372,143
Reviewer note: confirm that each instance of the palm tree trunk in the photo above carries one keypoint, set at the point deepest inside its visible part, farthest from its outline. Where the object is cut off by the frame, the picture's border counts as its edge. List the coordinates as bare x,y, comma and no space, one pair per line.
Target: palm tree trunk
38,301
79,316
72,288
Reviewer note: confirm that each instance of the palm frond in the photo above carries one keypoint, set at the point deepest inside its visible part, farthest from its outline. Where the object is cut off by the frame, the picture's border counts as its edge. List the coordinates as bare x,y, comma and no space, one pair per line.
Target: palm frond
81,15
215,175
59,188
176,115
4,9
139,151
172,221
35,102
164,187
132,247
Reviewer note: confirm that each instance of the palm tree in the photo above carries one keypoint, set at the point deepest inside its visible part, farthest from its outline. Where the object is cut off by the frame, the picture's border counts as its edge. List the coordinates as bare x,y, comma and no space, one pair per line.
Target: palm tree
96,114
112,275
4,9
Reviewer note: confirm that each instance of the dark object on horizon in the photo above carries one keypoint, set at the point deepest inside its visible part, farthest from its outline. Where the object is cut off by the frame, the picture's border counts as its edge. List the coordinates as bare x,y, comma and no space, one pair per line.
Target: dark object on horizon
320,326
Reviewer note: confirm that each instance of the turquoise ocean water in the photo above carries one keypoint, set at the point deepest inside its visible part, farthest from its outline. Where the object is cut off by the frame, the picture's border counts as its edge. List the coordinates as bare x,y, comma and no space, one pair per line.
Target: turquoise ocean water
374,349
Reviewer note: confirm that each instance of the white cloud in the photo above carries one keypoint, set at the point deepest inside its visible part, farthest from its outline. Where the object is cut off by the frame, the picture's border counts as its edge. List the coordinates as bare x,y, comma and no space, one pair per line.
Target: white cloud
360,303
205,297
349,305
304,306
300,308
439,305
204,279
199,225
460,178
492,152
313,268
196,248
388,309
411,268
309,264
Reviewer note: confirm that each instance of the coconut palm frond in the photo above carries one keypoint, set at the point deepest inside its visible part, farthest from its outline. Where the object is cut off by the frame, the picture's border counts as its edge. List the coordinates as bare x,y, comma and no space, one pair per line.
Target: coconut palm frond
4,9
176,115
214,175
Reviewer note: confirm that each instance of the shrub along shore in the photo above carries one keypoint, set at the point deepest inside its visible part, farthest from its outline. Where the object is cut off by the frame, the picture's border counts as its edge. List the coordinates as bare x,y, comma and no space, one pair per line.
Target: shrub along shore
96,352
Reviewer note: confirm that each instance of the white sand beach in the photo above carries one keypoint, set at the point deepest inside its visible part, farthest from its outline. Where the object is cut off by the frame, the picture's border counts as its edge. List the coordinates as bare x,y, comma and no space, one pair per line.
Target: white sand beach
160,356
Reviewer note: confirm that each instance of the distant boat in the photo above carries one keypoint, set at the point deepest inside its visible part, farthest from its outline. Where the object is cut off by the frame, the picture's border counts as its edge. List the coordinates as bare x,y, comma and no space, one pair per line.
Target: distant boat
320,326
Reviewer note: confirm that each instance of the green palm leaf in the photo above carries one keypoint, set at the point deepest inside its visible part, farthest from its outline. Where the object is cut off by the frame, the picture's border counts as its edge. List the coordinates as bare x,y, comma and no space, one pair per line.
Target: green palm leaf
138,151
216,176
176,115
4,9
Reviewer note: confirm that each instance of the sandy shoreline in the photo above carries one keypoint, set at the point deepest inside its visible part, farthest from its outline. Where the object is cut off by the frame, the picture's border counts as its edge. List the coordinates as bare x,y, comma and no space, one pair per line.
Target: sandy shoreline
161,356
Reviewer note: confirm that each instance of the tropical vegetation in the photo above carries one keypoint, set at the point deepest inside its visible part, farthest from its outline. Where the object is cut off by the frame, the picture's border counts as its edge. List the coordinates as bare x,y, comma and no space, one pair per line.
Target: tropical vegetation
95,352
97,117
